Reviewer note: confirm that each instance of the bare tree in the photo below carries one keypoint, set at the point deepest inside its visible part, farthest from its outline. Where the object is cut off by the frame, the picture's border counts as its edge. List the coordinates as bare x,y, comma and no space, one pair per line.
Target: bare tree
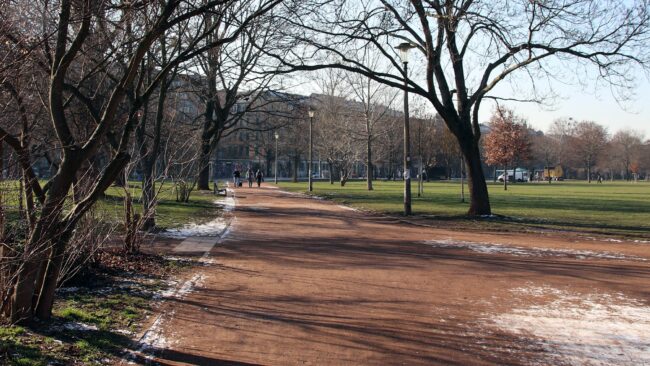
238,82
376,101
426,131
82,40
590,140
333,110
470,47
625,148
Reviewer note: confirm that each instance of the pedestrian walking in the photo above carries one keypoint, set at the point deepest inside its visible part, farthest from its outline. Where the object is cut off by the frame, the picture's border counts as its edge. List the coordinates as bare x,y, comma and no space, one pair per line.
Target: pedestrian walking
250,176
236,177
259,177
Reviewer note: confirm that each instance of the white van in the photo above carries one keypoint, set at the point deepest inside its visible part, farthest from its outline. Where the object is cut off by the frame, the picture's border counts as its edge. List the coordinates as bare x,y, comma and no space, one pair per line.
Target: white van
521,175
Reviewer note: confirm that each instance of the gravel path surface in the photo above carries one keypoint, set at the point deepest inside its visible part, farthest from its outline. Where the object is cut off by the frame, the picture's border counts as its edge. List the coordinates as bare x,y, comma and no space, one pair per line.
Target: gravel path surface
299,281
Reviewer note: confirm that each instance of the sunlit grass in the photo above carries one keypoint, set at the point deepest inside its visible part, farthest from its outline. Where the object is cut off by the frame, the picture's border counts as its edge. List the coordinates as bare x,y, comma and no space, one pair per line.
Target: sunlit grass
616,206
110,208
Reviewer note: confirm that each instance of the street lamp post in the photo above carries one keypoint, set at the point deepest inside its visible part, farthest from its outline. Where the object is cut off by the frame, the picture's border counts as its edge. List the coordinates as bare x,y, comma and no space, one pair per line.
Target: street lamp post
311,147
277,136
404,51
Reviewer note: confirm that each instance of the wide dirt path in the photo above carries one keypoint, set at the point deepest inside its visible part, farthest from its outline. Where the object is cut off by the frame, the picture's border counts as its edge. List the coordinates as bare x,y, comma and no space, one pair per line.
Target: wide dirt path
303,281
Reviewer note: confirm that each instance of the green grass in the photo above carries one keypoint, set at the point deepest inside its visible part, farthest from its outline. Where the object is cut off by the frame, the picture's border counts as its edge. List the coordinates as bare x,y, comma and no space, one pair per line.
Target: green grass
21,348
120,309
169,213
618,207
109,311
110,208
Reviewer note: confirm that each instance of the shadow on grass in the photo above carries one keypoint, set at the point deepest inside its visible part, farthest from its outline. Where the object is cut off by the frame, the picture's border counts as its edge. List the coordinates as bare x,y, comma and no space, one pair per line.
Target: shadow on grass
530,223
511,223
91,324
44,344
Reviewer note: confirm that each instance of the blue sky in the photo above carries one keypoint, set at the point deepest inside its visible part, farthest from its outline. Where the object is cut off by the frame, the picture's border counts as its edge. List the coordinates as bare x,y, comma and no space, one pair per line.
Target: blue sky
589,103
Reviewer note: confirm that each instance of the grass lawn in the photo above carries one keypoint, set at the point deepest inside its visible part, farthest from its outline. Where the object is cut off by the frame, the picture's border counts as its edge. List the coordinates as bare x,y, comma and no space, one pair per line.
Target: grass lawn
169,213
94,323
617,208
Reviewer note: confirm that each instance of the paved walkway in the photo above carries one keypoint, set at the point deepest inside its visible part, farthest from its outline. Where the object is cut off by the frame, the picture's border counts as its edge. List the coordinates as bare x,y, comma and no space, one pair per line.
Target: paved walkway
300,281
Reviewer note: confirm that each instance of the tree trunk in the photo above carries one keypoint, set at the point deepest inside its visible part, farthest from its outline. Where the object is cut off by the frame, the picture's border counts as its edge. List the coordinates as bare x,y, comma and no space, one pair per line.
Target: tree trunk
43,236
51,234
462,183
204,163
294,172
121,181
331,167
51,277
479,197
369,163
148,197
505,177
209,128
588,172
495,174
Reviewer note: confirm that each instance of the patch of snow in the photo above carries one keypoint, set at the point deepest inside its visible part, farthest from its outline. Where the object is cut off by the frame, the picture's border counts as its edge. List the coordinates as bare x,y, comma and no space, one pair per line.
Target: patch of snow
211,228
124,331
206,261
495,248
153,338
290,193
347,208
179,259
614,240
189,285
78,326
611,240
593,329
228,203
168,292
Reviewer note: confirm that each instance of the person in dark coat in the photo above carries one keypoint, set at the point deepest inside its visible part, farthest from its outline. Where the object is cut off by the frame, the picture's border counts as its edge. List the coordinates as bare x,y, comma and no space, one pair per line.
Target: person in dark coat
259,177
250,176
236,175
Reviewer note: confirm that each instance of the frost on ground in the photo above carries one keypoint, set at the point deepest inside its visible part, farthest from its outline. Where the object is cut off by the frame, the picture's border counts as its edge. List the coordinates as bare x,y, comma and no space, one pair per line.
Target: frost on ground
594,329
348,208
154,338
211,228
75,326
494,248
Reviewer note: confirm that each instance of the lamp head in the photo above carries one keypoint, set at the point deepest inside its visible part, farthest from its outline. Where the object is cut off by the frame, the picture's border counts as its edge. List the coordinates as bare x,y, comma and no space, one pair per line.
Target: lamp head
404,48
311,113
277,135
